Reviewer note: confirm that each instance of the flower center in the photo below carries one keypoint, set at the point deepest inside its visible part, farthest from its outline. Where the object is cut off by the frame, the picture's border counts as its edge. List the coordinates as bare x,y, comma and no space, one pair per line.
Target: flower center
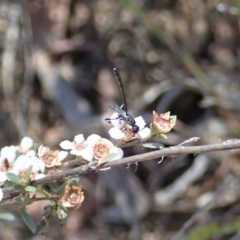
161,123
100,151
49,158
73,196
128,132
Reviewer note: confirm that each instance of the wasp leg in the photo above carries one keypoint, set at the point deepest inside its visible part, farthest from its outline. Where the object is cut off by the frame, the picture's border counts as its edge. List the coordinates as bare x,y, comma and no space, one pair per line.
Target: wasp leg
108,120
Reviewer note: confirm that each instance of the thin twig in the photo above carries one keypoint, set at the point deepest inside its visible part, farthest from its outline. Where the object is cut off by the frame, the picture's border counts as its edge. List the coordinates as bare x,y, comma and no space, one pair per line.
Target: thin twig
171,151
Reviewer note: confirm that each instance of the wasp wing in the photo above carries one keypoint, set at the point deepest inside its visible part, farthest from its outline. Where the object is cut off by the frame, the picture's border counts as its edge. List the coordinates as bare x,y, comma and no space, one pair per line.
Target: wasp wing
118,109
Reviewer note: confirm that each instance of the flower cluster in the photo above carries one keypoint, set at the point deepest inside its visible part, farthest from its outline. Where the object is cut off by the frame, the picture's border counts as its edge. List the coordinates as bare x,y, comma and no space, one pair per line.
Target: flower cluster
22,164
26,162
93,148
18,159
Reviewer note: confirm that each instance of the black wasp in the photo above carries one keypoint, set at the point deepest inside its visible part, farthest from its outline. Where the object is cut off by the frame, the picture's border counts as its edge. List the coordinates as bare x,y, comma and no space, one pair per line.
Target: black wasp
122,111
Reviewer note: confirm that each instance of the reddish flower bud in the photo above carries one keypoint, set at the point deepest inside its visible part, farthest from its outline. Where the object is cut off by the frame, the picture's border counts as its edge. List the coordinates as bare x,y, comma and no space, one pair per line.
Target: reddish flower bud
162,123
73,196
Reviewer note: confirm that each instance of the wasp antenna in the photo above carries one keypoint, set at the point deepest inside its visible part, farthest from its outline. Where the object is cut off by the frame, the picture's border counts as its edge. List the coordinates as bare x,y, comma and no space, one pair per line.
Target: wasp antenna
119,79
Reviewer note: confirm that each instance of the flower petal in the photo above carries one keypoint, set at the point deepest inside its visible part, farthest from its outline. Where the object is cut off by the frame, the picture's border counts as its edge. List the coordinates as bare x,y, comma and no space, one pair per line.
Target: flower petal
118,151
40,175
116,133
38,165
115,121
79,138
92,139
41,150
87,153
76,152
140,122
145,133
67,145
9,153
62,155
31,153
26,143
22,163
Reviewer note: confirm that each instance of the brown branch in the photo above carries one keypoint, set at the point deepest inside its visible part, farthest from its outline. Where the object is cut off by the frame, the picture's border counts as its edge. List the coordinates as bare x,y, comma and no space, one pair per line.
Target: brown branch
171,151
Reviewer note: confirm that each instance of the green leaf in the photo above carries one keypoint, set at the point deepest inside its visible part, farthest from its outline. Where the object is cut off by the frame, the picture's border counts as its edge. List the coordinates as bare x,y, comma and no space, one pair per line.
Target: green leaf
61,189
19,187
45,192
13,177
28,220
6,217
53,185
28,174
36,147
173,118
30,189
73,181
107,158
163,136
62,212
153,145
19,200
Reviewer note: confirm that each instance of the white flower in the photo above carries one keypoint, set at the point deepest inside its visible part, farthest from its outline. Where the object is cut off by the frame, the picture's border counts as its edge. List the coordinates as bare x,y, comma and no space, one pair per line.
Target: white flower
139,121
145,133
67,145
116,133
26,143
115,121
76,147
23,162
9,153
51,158
40,175
125,133
100,147
1,194
31,153
94,147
